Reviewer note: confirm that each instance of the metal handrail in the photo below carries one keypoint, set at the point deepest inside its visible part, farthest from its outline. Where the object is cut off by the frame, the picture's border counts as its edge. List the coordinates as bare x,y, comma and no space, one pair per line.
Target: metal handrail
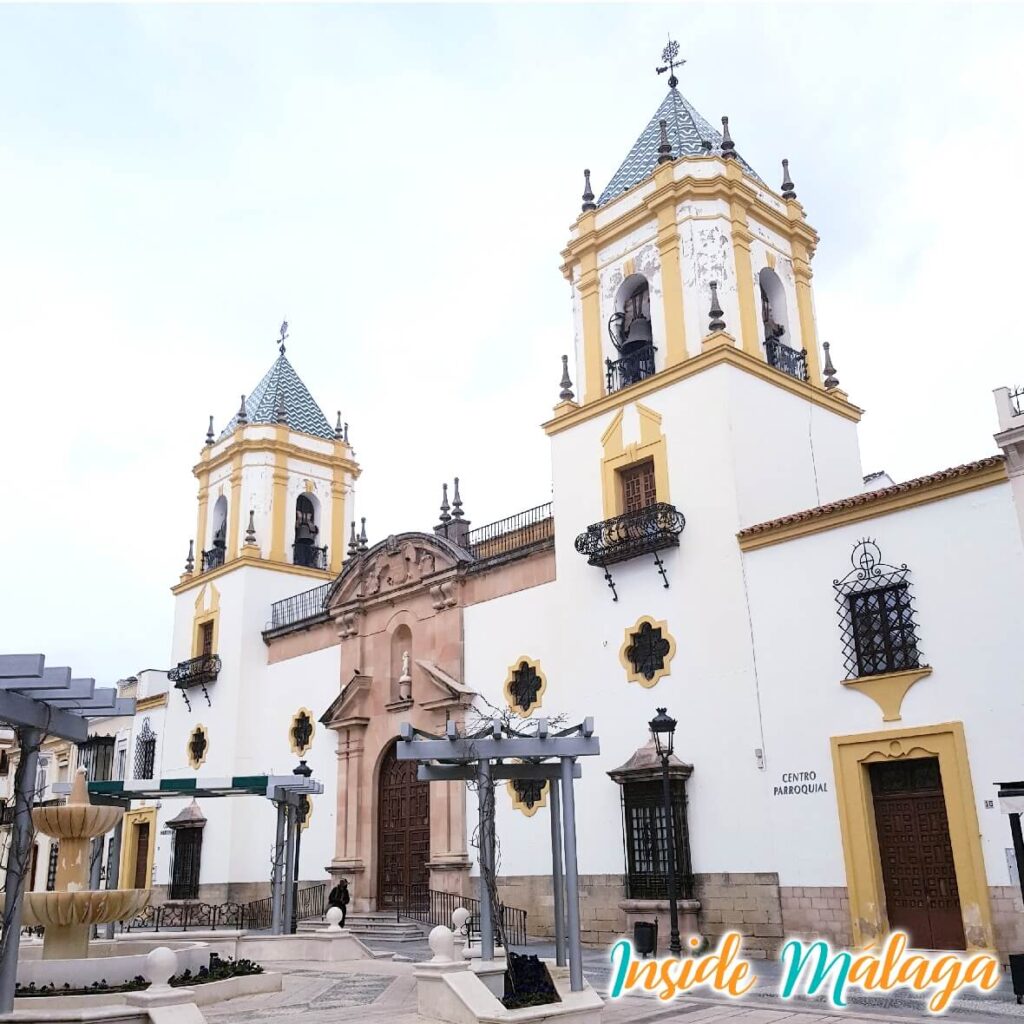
789,360
431,906
641,532
513,532
307,605
195,671
630,369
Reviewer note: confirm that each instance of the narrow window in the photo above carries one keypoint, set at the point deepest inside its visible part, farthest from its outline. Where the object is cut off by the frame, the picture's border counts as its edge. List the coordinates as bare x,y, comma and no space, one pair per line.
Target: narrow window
145,751
185,859
206,638
647,840
638,487
5,763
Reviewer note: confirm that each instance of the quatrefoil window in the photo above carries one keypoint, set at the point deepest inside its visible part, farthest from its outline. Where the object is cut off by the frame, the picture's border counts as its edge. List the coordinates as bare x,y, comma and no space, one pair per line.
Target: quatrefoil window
528,795
524,686
300,732
647,651
198,743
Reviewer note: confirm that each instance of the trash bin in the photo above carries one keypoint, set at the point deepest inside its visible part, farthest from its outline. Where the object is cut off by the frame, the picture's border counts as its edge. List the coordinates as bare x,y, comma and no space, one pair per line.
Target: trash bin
645,938
1017,975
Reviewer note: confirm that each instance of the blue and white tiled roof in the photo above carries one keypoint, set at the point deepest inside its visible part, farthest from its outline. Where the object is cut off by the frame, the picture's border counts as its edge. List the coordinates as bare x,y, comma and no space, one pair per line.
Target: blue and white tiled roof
261,405
689,134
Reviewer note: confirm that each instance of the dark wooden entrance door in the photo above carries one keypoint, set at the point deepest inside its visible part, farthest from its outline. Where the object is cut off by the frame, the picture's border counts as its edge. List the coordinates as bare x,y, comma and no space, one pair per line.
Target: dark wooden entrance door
140,881
403,833
921,894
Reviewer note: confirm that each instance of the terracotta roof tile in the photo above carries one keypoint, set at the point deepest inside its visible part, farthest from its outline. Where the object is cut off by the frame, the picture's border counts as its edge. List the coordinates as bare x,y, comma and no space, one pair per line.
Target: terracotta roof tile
872,497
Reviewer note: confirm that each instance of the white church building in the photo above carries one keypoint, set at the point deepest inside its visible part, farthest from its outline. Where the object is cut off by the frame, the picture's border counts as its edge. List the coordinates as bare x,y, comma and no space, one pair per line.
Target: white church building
841,655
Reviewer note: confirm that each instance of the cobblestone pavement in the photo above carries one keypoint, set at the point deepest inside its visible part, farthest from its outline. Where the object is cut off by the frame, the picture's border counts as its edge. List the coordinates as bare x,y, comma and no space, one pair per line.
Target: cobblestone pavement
384,990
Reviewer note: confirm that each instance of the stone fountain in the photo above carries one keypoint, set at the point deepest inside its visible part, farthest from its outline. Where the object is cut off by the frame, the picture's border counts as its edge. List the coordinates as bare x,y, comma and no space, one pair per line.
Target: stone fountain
68,913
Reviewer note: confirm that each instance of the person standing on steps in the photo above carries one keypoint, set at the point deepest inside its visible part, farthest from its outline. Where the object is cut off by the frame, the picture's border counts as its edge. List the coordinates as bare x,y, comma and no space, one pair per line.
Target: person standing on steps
339,897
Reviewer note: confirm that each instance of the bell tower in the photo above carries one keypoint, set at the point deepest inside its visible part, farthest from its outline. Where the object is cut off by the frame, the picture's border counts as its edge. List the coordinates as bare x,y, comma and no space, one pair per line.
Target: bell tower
690,274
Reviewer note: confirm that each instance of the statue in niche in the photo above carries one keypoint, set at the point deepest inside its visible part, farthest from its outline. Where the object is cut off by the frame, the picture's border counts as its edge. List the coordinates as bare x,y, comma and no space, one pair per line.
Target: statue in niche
405,679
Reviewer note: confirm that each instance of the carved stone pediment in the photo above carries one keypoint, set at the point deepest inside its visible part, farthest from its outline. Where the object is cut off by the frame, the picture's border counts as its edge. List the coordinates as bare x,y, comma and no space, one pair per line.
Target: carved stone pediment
402,560
352,706
447,690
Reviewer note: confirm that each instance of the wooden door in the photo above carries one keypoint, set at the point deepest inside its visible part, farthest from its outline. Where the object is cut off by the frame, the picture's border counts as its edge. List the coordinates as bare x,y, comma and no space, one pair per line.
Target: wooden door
921,894
140,879
403,833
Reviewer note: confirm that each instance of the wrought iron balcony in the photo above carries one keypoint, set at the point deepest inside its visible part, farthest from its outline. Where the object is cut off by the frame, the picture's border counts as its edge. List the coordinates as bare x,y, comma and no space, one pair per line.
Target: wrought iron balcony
310,556
212,558
786,359
195,672
630,368
644,532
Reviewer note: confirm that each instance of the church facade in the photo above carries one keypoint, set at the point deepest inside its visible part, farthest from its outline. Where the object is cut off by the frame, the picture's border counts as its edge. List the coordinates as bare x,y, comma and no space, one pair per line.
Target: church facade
839,653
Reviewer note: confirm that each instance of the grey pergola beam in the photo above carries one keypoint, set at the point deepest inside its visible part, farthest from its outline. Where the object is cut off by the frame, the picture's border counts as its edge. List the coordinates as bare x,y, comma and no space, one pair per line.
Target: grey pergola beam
76,688
23,711
487,748
50,679
15,666
102,699
499,772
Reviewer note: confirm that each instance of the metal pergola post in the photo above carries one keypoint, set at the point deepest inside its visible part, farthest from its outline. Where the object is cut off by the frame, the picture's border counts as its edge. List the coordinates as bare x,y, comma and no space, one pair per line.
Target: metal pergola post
485,801
572,882
289,868
29,739
1018,848
277,875
555,809
294,881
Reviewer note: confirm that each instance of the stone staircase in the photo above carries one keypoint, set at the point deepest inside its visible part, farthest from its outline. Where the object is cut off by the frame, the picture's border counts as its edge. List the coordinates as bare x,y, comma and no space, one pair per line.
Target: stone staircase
379,925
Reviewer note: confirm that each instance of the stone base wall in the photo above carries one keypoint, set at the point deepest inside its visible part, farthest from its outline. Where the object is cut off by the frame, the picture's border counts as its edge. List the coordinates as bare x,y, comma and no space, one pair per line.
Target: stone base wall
1007,919
747,903
601,919
228,892
817,911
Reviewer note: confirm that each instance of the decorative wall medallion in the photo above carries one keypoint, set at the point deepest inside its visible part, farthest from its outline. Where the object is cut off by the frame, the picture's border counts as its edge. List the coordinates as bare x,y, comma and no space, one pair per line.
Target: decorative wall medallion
524,686
198,743
305,812
300,732
528,795
647,651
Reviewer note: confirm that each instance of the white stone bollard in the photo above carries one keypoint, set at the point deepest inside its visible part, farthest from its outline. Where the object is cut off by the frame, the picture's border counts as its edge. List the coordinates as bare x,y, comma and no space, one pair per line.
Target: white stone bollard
333,916
161,964
442,943
460,925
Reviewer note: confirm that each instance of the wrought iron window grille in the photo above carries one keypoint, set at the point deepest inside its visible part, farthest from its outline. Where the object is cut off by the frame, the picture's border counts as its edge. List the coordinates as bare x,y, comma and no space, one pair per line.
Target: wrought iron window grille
195,672
529,791
145,751
648,651
96,756
525,686
302,732
644,821
645,531
630,369
876,615
789,360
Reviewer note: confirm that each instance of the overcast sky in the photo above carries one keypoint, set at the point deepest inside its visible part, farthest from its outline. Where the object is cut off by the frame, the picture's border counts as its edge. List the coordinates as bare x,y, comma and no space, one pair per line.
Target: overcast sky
398,182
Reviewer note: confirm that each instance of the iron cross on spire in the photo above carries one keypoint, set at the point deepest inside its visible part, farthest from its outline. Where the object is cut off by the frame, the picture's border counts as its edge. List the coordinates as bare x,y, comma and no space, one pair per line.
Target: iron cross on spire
284,334
669,55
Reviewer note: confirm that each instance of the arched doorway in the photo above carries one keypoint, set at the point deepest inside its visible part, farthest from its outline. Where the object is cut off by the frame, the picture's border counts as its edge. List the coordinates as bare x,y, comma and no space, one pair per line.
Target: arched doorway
403,833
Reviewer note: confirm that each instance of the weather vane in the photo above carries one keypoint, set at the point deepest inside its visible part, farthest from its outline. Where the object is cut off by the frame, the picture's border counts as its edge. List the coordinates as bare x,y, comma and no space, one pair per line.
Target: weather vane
284,335
669,55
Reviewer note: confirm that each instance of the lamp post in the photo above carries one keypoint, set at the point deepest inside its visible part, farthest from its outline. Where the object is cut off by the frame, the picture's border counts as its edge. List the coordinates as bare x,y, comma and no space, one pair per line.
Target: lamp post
301,810
663,730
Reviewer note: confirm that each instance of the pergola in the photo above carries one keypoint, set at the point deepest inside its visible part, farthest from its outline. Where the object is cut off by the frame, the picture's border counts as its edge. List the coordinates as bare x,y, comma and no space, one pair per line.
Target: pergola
499,752
38,702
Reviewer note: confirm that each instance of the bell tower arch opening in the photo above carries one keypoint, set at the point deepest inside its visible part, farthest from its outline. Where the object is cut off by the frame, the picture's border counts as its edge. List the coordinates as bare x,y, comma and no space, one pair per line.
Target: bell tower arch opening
305,550
629,328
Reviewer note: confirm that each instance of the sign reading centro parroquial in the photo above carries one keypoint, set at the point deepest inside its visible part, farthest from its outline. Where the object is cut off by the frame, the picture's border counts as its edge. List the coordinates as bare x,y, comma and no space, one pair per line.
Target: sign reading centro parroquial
799,784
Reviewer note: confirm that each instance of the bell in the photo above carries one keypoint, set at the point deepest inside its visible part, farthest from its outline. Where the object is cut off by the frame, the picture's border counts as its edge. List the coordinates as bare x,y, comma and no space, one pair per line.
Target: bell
639,333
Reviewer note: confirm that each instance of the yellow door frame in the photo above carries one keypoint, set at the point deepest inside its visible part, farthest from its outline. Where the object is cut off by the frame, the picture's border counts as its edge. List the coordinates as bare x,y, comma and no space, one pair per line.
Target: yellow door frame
130,846
851,756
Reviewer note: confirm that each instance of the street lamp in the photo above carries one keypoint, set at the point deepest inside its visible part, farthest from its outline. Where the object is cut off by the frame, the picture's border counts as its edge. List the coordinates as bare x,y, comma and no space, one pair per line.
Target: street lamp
301,811
663,730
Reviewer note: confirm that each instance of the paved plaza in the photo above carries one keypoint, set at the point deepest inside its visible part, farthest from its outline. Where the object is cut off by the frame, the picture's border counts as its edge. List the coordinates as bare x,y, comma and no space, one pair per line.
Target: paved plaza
384,989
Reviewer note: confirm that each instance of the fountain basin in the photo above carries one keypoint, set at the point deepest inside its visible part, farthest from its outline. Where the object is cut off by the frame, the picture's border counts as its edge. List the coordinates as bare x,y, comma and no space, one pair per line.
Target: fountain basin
76,821
89,906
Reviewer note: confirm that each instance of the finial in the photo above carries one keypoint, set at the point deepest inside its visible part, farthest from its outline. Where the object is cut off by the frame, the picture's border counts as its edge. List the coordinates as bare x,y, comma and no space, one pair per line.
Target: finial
250,530
243,416
353,542
445,518
588,192
345,433
831,380
362,536
190,561
456,502
788,188
339,433
284,335
728,146
715,312
669,55
281,413
565,394
209,433
664,147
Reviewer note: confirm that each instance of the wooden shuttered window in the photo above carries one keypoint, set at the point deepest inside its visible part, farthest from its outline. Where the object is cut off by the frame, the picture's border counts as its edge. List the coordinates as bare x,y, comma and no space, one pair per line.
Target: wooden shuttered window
638,488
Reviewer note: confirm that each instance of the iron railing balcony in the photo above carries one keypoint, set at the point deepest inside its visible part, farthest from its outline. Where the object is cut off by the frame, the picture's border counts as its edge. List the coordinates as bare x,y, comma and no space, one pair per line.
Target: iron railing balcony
310,556
788,360
212,559
299,607
630,369
534,526
195,672
635,533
